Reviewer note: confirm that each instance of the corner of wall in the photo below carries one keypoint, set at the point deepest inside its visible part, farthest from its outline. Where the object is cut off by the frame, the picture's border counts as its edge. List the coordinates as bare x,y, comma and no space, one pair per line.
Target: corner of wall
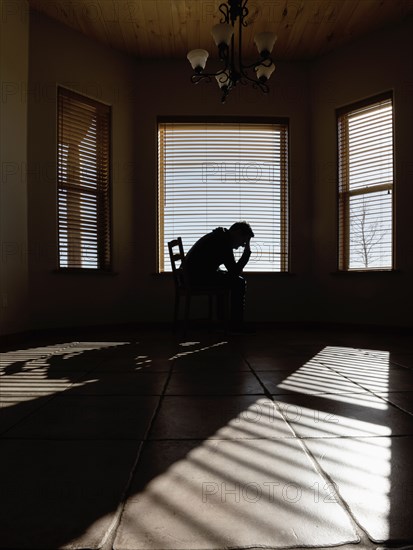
14,58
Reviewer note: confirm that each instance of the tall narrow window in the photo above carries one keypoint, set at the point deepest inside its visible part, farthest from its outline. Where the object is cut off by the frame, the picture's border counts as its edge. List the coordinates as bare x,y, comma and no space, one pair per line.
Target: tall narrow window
365,148
214,174
83,182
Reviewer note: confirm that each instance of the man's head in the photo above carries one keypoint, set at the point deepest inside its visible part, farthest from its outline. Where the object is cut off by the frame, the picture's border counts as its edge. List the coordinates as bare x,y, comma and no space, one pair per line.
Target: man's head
240,233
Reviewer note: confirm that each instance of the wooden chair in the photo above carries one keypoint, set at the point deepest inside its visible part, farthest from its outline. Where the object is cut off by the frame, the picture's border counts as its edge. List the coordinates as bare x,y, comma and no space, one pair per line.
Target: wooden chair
184,289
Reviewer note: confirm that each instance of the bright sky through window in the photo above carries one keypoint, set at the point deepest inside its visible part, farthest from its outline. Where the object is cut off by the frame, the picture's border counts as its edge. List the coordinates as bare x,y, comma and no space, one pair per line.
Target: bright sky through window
366,186
213,175
83,182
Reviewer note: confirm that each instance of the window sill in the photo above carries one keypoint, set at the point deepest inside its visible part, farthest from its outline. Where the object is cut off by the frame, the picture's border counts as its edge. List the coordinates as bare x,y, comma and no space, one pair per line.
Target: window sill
364,272
84,271
246,273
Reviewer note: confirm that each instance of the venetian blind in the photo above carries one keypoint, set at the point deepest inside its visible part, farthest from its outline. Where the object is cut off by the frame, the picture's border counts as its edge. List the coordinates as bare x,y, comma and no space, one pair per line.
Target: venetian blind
83,182
214,174
365,146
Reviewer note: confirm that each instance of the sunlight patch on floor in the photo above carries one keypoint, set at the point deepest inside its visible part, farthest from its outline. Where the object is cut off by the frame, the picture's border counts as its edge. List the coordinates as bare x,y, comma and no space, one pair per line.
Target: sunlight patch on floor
42,371
337,371
238,493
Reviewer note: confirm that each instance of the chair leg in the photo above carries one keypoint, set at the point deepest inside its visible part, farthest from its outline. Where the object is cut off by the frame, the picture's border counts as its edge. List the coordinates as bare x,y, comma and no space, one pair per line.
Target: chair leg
186,314
210,306
176,310
227,311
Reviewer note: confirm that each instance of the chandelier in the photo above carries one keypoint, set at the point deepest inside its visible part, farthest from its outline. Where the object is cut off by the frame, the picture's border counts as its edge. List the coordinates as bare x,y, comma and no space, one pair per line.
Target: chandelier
234,71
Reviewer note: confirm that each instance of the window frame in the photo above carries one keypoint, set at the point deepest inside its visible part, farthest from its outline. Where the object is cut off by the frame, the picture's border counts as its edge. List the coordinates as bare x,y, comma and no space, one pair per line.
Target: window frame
343,197
104,256
285,243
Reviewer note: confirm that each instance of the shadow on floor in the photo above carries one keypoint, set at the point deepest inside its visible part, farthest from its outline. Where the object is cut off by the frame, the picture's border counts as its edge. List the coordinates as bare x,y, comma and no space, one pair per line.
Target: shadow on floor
89,424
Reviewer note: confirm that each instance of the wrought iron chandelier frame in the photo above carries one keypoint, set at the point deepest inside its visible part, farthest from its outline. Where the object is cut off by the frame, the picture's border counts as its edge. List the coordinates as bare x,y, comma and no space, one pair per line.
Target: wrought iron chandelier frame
235,71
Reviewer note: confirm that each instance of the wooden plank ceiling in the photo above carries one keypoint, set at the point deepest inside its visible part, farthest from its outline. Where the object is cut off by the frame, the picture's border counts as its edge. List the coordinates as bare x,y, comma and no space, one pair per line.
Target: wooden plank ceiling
170,28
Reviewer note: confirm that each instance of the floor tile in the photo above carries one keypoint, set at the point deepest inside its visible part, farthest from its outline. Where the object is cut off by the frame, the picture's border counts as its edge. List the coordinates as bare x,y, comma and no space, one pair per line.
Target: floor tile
230,494
354,360
61,494
63,354
38,381
375,479
83,407
134,364
278,362
371,369
343,415
403,359
229,417
402,399
138,356
121,383
89,416
208,363
213,382
207,352
398,379
391,379
312,378
15,407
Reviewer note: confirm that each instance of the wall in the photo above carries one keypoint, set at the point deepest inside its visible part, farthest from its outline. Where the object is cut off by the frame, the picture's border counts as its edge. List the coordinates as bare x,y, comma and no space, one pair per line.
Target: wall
170,92
139,92
60,56
378,63
14,60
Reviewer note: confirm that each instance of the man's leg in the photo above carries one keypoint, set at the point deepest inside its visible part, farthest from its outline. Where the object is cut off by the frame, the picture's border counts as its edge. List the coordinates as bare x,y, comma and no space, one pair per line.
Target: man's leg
221,279
238,289
237,285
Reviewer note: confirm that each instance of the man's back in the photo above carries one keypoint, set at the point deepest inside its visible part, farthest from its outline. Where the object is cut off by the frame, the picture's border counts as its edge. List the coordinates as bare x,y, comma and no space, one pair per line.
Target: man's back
209,252
215,249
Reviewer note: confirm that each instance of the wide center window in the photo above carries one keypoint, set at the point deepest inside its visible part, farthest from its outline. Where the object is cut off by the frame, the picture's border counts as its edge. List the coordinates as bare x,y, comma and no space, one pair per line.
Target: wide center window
214,174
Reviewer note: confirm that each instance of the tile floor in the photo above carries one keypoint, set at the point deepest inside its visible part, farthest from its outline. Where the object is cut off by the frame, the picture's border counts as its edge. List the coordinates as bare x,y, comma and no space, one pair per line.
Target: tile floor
142,440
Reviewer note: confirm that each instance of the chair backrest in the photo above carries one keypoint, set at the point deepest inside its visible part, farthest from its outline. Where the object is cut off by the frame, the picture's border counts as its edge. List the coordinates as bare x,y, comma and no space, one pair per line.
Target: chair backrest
177,257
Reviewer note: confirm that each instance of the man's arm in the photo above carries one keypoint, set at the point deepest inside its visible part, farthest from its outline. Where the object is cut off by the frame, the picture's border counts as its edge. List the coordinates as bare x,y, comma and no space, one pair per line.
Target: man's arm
242,262
235,268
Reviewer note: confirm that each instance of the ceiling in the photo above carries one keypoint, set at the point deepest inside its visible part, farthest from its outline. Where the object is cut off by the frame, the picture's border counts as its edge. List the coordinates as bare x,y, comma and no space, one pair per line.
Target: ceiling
170,28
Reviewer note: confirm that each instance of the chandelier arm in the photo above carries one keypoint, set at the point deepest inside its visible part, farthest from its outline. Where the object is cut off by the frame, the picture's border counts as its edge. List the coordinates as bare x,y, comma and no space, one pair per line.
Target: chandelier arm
240,39
263,86
244,11
264,62
225,92
223,51
223,8
234,70
195,78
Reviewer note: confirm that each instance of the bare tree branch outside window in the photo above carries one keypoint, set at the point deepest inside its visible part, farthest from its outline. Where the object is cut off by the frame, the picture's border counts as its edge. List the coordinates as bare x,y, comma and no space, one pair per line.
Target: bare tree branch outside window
365,237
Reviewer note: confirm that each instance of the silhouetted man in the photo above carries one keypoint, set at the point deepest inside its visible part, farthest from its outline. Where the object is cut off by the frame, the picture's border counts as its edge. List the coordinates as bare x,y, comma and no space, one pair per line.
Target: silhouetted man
215,249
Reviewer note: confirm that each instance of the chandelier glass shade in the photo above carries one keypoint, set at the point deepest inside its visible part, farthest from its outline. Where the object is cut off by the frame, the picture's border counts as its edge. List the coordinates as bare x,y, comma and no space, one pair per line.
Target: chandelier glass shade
233,70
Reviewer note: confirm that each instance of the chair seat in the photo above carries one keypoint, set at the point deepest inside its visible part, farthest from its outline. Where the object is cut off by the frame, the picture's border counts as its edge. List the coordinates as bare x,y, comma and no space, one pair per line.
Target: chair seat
185,289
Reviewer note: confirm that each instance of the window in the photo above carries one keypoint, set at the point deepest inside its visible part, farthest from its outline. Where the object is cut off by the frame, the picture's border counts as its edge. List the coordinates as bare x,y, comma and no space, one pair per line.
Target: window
214,174
83,182
365,149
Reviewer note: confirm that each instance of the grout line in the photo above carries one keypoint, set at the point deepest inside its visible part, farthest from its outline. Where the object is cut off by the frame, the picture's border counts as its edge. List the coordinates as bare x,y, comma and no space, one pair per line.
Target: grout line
110,535
371,392
359,531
